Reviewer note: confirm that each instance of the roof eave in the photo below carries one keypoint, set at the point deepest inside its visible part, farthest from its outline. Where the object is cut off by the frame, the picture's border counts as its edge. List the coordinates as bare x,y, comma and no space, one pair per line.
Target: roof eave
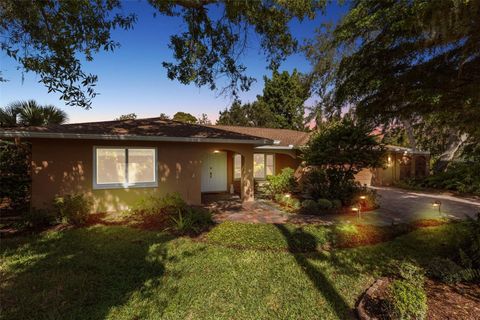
126,137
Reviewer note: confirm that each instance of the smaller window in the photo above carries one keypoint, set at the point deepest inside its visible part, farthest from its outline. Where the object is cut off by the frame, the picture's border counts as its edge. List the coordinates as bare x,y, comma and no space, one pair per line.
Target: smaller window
269,167
259,166
237,166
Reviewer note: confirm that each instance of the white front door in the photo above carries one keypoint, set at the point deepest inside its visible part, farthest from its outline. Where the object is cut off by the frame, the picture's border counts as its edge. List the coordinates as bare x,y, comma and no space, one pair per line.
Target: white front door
214,172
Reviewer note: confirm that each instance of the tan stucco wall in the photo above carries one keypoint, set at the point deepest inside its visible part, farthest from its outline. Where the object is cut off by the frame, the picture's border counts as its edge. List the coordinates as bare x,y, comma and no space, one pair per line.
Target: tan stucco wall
284,161
64,166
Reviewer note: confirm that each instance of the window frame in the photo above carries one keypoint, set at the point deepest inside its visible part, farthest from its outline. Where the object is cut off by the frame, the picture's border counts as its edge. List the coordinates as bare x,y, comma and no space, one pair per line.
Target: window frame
265,175
126,185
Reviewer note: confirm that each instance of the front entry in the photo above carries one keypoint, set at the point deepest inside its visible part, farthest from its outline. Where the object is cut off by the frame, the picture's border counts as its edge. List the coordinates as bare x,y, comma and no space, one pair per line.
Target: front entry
214,172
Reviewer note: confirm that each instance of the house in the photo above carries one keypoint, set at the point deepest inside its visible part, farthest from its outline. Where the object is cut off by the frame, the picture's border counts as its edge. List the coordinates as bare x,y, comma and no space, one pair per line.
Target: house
118,162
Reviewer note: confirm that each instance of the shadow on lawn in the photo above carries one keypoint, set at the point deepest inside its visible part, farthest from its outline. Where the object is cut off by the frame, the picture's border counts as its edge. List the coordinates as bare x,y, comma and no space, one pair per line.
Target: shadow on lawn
322,284
83,273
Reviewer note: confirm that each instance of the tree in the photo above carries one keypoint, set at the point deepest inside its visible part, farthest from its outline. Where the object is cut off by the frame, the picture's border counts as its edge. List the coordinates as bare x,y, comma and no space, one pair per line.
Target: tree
235,116
344,146
30,113
184,117
129,116
280,106
164,116
49,37
401,59
284,96
203,119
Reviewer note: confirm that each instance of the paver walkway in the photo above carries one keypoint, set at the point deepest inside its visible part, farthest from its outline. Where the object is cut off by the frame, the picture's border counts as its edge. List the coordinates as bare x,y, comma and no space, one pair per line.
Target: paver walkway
396,206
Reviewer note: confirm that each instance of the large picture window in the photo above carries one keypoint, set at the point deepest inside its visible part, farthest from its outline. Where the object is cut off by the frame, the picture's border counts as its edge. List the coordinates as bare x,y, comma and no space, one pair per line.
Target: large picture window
263,165
120,167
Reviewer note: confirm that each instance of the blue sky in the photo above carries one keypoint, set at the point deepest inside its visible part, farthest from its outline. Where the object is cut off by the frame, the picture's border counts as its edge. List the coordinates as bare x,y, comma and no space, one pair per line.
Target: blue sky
132,79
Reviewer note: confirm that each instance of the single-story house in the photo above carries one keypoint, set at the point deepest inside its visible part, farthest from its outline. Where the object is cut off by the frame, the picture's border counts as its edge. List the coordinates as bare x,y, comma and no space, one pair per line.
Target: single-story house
118,162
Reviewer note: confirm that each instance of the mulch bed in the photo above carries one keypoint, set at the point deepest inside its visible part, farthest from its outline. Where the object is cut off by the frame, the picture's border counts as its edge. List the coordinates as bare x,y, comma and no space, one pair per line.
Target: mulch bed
454,301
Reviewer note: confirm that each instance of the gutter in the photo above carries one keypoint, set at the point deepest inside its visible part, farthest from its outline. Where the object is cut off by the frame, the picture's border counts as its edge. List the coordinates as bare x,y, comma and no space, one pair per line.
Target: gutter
51,135
270,147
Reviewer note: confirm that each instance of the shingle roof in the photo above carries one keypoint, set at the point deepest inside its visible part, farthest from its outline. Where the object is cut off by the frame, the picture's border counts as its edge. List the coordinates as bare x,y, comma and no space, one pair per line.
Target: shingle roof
285,137
152,128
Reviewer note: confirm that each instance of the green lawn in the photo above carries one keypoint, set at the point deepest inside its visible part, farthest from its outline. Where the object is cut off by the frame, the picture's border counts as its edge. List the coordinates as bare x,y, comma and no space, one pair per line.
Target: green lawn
115,272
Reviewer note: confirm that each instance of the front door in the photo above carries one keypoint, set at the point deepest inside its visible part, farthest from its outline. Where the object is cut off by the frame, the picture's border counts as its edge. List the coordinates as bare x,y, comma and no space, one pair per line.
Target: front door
214,172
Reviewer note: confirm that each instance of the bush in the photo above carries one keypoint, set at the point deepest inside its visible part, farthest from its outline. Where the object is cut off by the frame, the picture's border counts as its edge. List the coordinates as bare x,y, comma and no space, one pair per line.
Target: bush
336,204
191,220
444,270
406,300
73,208
463,177
152,205
324,204
410,272
281,183
330,183
287,201
309,207
15,178
38,219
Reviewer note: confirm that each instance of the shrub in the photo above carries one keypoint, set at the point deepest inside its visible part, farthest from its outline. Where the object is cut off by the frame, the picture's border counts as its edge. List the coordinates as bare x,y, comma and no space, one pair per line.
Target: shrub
288,202
410,272
191,220
444,270
406,300
324,204
15,181
336,204
309,207
330,183
73,208
38,218
281,183
152,205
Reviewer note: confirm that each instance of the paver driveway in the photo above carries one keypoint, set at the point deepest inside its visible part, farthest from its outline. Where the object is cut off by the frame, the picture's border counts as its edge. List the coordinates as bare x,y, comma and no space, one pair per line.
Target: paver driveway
402,205
396,206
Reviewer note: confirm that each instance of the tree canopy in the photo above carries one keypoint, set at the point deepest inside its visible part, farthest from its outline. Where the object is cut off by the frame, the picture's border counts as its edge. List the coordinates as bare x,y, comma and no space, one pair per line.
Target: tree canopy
129,116
281,105
30,113
345,146
184,117
51,37
400,59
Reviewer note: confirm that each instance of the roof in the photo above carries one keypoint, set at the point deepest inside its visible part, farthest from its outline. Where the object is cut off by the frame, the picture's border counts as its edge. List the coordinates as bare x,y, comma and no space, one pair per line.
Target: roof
282,137
150,129
405,150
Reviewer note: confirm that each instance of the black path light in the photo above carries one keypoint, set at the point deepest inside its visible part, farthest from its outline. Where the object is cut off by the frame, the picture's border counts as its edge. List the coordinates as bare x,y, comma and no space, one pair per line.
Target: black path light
438,204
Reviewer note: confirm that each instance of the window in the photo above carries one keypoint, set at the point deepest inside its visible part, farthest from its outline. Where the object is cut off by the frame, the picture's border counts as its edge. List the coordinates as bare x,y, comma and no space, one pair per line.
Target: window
124,167
237,166
263,165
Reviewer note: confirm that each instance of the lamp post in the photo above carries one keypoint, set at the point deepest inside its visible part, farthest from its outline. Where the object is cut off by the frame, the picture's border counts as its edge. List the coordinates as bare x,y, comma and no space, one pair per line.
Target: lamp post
438,204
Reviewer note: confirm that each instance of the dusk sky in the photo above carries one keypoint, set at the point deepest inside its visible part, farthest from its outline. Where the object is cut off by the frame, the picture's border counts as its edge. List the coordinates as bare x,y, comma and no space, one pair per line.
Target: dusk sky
132,79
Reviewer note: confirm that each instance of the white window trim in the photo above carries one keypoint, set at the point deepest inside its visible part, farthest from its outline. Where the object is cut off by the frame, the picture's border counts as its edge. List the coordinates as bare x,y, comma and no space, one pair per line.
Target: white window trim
265,175
101,186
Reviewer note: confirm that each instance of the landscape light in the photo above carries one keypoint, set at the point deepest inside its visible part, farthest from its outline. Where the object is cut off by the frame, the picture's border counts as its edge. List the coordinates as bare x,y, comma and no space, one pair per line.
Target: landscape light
216,151
363,197
287,195
438,204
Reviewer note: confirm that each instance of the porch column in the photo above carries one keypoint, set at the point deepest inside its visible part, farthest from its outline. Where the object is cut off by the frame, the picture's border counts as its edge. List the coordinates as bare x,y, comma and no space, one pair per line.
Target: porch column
247,183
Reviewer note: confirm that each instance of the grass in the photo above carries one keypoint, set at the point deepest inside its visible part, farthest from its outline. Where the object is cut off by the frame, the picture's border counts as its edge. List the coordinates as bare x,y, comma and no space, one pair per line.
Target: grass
117,272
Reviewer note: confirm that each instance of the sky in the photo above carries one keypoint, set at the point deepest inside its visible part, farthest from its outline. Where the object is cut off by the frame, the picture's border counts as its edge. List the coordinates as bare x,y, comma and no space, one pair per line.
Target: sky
133,80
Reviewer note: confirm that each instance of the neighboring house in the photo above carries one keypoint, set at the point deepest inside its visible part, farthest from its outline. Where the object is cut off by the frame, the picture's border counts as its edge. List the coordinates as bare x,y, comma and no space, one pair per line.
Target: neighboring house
118,162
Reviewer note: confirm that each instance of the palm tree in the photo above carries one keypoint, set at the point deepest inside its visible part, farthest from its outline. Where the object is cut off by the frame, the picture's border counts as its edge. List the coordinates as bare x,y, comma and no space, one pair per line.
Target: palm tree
30,113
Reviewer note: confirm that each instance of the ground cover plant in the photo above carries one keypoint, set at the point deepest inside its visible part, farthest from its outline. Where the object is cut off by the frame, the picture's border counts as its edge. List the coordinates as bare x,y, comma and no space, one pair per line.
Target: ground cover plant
118,272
